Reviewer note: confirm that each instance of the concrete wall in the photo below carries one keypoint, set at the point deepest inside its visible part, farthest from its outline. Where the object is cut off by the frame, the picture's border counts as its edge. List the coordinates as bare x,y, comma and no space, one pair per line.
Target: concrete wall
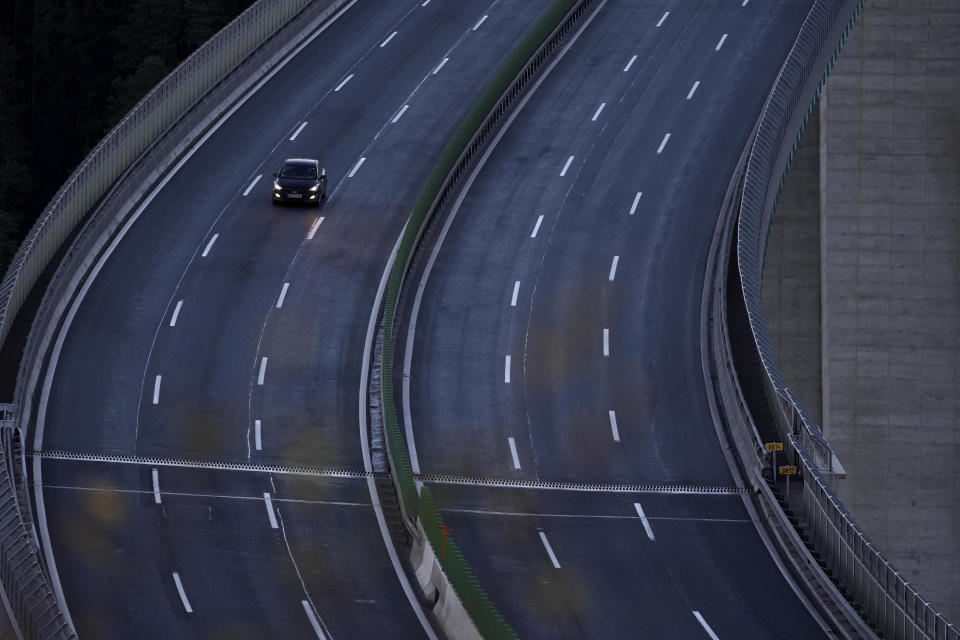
890,222
791,273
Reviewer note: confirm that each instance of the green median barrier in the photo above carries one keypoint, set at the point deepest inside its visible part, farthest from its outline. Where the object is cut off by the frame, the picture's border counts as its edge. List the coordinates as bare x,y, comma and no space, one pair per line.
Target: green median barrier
452,159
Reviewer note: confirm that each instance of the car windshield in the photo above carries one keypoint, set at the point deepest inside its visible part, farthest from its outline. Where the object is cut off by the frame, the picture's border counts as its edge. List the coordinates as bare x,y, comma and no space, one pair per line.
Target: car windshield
299,172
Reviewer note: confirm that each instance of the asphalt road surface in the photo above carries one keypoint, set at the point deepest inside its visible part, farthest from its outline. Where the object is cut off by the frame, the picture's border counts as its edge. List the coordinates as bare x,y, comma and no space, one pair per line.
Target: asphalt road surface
222,328
558,338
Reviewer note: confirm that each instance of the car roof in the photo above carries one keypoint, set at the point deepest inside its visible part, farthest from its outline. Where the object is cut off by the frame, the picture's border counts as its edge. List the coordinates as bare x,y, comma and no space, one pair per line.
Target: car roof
300,161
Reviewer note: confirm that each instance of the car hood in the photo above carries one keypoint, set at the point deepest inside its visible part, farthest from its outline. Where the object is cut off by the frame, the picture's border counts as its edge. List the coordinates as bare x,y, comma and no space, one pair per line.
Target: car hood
290,183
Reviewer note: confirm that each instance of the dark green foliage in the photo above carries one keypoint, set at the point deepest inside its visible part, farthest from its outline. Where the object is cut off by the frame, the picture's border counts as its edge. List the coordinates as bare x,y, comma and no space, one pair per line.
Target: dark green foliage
69,70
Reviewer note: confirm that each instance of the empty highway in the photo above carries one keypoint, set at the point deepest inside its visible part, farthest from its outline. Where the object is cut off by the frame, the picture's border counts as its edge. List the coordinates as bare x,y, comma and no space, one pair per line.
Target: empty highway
558,338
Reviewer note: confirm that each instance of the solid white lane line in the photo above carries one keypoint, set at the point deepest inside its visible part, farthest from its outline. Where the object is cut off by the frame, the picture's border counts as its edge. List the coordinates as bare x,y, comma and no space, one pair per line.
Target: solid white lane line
606,343
597,114
630,64
311,616
176,313
693,89
183,594
506,370
263,370
706,627
313,228
389,38
156,485
663,143
283,294
425,3
720,44
270,514
400,113
297,132
356,167
209,245
643,519
546,545
536,227
516,290
440,66
663,18
343,82
613,426
253,184
256,435
513,452
156,391
563,171
480,22
613,267
636,201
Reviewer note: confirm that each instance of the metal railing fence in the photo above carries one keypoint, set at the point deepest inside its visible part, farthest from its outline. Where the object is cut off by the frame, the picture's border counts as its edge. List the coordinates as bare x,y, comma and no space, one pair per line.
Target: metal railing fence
886,599
507,86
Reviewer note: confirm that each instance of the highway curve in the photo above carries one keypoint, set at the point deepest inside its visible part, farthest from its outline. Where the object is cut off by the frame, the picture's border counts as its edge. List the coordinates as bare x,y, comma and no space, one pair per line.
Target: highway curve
223,329
558,338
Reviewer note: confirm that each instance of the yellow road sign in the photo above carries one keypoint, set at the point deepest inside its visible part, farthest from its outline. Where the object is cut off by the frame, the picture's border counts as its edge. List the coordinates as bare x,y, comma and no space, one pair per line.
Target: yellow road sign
786,470
774,446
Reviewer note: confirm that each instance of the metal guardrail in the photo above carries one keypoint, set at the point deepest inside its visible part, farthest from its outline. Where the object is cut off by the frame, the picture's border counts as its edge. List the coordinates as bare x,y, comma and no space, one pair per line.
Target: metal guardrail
113,176
885,597
33,605
480,123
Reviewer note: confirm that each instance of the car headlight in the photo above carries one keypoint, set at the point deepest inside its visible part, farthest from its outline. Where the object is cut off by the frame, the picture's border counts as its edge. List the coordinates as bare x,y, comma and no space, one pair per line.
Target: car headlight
277,187
314,188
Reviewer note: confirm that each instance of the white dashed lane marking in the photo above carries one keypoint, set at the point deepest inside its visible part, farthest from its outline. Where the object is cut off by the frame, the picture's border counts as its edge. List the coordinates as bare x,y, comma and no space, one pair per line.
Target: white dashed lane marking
263,371
297,132
706,627
513,452
176,313
270,514
546,545
183,594
644,520
253,184
389,38
209,246
343,82
663,143
536,227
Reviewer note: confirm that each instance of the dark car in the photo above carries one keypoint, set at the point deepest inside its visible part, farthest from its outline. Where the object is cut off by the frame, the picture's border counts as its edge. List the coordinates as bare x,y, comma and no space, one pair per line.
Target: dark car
300,180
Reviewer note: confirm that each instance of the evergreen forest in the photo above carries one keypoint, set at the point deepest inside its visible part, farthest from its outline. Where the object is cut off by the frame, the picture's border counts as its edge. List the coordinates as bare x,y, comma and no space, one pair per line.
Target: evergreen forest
69,70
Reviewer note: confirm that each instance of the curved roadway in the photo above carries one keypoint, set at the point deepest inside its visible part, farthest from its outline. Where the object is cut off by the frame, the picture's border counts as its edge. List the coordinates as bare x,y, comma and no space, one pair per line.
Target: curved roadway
223,329
558,339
